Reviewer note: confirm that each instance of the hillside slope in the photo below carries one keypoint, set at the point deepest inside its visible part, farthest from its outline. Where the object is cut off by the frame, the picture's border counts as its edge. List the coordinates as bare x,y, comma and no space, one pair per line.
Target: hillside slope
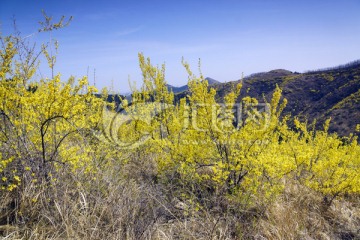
319,95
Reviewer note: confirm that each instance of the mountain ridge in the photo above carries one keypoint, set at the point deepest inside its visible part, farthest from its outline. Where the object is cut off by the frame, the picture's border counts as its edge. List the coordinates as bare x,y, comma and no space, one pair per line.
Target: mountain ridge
314,95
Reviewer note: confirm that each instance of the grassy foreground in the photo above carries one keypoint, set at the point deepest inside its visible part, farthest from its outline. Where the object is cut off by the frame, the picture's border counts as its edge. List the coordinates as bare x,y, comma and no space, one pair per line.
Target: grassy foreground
118,207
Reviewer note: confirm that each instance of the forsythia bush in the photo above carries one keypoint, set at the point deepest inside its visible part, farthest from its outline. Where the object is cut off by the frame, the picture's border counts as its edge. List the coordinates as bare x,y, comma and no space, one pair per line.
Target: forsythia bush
324,162
43,125
203,145
238,148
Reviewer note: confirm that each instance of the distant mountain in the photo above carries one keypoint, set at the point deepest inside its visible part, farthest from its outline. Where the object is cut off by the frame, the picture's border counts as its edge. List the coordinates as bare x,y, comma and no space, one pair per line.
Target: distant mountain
211,81
329,93
177,89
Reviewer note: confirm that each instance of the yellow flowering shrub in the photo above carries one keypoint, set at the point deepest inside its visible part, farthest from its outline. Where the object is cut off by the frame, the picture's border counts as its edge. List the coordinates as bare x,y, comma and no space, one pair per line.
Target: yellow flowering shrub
323,161
43,123
239,148
205,145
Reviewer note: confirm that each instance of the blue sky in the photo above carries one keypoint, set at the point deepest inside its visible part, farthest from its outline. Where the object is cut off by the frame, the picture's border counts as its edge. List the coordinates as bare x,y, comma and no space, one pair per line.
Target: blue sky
230,37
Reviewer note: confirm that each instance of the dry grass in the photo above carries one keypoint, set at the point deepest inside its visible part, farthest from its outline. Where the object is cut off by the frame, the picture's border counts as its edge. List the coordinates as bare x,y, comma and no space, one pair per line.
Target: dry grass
116,207
301,213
